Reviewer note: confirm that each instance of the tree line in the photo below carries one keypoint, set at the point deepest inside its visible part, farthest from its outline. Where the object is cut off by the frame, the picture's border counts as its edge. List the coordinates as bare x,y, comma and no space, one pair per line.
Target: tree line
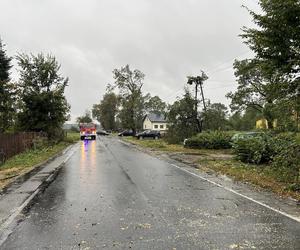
36,101
268,85
124,106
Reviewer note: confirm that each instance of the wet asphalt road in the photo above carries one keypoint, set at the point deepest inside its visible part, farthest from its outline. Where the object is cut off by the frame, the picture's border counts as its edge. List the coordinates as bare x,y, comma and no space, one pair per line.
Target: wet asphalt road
110,196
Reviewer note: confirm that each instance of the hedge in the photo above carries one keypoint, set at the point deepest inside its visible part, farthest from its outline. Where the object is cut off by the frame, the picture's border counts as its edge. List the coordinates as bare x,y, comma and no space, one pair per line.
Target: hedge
210,140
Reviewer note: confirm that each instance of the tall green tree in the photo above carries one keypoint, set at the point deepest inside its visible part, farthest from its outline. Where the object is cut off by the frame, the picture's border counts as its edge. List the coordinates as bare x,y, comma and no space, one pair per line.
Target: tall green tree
273,75
215,116
43,103
6,91
130,83
105,112
85,118
182,120
153,104
256,89
276,41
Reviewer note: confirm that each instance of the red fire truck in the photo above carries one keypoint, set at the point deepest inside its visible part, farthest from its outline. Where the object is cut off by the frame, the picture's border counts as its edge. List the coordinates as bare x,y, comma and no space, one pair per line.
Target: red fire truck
87,131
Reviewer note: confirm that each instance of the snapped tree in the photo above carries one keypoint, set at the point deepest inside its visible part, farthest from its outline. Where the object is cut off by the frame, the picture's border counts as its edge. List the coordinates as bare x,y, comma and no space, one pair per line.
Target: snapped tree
43,105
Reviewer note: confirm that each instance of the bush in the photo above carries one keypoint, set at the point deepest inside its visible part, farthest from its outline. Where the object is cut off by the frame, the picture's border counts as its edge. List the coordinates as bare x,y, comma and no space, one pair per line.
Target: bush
286,160
210,140
262,148
256,150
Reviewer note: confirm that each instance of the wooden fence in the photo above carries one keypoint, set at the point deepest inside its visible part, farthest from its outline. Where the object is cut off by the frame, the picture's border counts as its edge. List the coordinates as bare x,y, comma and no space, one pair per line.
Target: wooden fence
12,144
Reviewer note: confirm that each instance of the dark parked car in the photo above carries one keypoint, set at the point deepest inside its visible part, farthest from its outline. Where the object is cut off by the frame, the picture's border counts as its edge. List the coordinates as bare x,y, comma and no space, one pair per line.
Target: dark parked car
148,134
126,133
102,132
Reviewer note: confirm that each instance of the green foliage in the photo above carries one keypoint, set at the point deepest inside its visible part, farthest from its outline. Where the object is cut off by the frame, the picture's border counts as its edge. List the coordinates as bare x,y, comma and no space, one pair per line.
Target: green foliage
244,121
272,77
210,140
72,137
276,40
181,118
288,118
154,105
7,91
86,118
130,83
286,161
256,89
282,151
105,112
256,150
5,64
43,106
215,117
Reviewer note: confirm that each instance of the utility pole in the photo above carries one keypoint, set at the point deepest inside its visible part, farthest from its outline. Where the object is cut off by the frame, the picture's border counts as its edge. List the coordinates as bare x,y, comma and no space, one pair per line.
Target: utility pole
198,81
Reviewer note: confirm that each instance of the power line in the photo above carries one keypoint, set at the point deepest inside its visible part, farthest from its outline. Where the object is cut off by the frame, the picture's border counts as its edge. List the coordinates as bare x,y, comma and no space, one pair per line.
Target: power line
226,62
218,70
220,87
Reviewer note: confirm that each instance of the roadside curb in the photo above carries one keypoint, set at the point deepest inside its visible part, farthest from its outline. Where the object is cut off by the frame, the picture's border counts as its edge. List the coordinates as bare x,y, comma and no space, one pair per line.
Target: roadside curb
45,179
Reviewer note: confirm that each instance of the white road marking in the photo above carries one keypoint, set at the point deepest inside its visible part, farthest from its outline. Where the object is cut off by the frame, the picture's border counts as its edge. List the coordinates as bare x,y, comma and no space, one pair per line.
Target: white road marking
239,194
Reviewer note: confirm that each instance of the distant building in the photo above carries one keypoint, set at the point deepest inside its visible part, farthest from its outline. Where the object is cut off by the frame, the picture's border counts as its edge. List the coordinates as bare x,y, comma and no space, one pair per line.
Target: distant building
155,121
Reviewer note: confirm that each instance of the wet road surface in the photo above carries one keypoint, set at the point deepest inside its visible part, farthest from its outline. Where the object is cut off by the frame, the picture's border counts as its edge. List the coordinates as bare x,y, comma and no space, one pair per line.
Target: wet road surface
111,196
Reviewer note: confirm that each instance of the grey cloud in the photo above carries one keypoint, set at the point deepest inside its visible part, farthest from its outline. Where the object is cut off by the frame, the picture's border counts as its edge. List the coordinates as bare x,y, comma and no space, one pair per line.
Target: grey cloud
166,39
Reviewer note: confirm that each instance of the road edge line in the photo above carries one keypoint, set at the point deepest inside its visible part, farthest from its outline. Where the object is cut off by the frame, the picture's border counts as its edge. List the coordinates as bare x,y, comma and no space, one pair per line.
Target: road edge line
297,219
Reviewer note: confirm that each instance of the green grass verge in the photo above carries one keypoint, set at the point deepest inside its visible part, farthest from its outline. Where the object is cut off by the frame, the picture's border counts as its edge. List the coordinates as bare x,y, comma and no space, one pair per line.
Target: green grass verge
26,161
161,145
260,175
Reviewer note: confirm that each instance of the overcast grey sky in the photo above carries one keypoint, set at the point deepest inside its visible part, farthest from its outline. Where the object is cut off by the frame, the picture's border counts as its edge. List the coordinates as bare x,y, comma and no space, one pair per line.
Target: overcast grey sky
166,39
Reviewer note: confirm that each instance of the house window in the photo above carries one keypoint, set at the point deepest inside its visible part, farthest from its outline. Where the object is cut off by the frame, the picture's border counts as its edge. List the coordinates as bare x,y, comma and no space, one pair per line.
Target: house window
161,126
145,126
155,126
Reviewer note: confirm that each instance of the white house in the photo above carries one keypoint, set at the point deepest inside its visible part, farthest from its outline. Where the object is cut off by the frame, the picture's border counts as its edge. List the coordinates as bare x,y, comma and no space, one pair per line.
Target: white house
155,121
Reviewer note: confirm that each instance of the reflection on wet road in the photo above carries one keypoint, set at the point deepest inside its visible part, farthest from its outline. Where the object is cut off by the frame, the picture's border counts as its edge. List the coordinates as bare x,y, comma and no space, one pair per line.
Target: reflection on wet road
111,196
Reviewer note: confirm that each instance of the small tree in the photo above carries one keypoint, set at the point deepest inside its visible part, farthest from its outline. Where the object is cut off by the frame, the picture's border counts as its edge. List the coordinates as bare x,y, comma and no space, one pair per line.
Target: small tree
105,112
182,119
43,104
215,116
6,91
